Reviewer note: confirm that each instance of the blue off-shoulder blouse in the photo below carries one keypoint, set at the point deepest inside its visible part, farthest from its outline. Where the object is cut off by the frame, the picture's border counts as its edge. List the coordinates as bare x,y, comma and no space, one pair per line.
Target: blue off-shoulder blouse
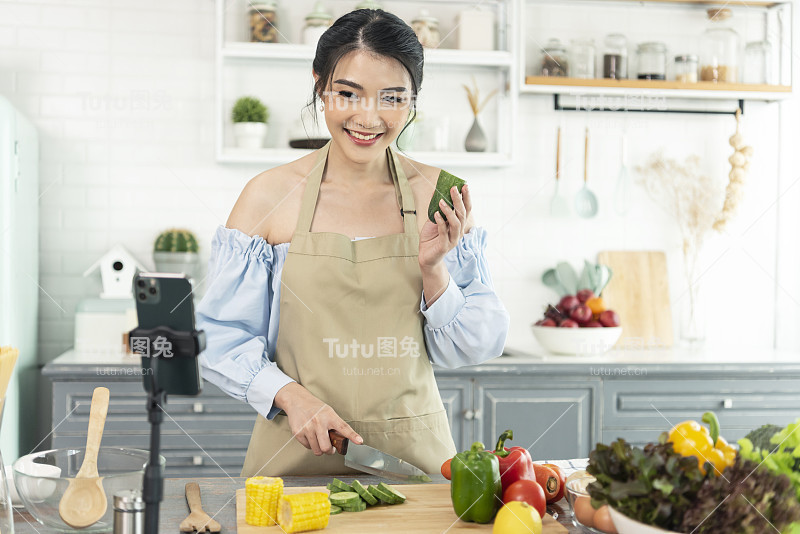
239,312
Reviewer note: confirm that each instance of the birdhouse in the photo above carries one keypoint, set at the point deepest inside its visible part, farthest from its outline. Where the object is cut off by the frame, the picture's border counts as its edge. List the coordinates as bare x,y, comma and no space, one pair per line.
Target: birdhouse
117,269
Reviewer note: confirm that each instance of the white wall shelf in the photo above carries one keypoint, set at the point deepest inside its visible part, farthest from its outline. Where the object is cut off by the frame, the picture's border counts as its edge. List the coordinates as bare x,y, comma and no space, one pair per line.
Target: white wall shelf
756,21
241,70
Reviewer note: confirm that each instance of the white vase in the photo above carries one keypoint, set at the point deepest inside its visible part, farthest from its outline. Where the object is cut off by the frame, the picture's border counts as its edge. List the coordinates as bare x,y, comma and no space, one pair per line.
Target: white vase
250,135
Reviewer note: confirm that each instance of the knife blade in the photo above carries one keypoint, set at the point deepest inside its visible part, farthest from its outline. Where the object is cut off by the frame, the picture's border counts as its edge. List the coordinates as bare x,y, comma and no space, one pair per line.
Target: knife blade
371,460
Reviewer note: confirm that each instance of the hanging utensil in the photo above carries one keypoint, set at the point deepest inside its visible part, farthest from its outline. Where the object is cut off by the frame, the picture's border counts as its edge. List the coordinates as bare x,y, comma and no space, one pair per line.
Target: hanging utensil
622,191
585,200
558,204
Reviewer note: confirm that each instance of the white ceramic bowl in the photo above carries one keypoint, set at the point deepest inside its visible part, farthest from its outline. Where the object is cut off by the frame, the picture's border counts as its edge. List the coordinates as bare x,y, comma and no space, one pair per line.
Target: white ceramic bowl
626,525
577,341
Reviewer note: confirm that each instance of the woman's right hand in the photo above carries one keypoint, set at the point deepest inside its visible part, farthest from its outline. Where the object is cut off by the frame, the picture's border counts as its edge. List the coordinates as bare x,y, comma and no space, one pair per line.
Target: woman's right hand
310,419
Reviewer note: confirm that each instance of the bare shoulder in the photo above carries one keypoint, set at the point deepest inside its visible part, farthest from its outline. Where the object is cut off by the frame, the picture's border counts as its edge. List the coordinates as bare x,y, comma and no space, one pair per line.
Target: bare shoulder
422,179
267,194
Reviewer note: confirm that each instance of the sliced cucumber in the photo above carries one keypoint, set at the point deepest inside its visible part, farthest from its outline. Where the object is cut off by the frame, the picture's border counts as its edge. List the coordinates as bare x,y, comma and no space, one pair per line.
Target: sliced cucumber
398,497
334,489
381,494
358,507
344,498
343,486
364,492
335,510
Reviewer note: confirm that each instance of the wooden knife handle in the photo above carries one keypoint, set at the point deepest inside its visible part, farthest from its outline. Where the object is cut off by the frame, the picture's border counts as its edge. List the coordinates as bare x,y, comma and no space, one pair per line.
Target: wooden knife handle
338,441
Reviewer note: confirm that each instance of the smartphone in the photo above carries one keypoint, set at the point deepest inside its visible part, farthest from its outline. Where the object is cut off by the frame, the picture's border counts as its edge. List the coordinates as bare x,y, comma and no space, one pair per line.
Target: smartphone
165,299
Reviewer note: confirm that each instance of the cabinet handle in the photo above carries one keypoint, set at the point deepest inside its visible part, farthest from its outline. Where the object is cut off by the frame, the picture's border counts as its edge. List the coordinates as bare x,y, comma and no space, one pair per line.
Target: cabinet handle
197,460
727,403
469,415
197,407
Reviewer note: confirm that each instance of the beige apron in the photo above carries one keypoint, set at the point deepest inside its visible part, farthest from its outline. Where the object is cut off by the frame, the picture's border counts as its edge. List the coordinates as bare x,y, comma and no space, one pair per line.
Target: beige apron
351,333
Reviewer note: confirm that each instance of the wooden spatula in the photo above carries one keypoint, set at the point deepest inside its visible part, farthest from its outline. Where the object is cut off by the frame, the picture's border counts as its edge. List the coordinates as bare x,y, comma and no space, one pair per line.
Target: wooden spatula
198,520
84,502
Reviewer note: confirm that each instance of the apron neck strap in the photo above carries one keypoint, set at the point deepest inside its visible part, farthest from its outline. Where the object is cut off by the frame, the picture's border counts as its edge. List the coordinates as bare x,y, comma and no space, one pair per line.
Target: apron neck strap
405,197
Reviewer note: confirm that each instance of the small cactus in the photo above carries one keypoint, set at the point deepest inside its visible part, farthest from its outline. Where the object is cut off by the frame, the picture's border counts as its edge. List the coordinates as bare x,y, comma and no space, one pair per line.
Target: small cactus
176,240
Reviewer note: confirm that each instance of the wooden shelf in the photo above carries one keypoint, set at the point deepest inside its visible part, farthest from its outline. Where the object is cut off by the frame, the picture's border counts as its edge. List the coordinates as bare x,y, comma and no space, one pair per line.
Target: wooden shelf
278,156
436,56
702,90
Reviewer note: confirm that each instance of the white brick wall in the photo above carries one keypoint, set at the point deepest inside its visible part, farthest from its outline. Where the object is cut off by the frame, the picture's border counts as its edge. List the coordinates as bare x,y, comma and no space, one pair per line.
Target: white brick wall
122,94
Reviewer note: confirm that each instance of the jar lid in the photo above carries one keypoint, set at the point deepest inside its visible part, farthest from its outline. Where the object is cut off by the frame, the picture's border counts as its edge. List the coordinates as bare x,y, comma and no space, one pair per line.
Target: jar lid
554,44
269,5
369,4
686,58
425,16
319,13
129,500
758,45
653,45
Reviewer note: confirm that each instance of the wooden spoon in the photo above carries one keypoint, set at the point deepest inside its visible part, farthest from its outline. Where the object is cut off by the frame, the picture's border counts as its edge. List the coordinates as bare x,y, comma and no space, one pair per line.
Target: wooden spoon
84,502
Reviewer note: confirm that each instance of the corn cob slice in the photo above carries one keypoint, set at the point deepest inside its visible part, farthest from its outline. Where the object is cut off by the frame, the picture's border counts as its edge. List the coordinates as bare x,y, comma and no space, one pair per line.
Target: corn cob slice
304,511
263,495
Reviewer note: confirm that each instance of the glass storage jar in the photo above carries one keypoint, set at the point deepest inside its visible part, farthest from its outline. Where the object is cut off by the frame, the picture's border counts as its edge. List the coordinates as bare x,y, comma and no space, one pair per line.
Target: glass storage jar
317,22
582,59
615,57
757,57
719,49
427,29
554,59
652,61
263,22
686,68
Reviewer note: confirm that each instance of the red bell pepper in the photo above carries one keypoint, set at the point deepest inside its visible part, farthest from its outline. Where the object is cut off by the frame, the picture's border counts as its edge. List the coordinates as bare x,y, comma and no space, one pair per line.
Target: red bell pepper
515,463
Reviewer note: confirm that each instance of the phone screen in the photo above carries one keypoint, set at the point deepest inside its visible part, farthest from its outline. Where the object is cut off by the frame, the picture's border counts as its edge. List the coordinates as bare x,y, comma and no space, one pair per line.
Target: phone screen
165,299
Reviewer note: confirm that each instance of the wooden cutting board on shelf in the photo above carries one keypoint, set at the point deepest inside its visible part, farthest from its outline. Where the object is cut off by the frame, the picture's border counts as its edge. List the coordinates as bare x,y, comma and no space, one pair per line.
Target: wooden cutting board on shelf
427,510
639,293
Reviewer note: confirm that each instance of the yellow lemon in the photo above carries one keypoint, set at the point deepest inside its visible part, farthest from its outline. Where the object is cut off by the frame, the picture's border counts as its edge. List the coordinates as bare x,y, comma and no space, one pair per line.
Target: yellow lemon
517,517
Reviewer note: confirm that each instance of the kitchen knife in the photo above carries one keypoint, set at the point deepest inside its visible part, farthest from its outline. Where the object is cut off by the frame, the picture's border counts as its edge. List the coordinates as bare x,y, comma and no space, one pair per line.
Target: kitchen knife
372,461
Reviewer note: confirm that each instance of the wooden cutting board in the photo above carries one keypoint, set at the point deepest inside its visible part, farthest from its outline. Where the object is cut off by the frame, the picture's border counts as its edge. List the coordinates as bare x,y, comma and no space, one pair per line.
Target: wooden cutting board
427,510
639,293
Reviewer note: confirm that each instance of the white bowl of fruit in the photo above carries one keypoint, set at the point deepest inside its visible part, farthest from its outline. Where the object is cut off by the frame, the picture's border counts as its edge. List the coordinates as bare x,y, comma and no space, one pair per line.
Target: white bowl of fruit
578,325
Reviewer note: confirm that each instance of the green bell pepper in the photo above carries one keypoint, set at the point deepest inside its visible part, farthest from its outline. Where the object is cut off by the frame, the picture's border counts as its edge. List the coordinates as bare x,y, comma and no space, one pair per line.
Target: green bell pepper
475,487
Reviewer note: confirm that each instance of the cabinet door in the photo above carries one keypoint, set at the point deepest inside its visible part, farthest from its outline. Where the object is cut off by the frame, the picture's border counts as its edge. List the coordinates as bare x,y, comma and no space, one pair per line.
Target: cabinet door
554,420
457,398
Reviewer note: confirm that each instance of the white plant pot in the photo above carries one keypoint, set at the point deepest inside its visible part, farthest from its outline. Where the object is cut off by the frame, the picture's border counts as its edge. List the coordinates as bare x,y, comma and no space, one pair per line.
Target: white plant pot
250,135
178,262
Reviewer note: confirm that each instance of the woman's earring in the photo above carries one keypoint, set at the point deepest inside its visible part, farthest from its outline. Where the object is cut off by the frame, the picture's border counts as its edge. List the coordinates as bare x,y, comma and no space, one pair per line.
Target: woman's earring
322,106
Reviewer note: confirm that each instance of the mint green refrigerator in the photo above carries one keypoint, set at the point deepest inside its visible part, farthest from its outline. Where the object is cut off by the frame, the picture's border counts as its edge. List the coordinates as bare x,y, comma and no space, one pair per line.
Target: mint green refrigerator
19,275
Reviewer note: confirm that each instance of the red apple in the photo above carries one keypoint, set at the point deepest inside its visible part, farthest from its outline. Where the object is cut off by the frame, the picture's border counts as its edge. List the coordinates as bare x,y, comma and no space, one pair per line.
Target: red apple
548,322
539,322
581,314
609,318
568,323
585,294
568,302
593,324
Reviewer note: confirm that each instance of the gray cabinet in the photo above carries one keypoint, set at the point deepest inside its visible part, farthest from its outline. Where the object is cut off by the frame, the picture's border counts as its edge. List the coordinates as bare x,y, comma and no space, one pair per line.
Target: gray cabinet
457,395
552,419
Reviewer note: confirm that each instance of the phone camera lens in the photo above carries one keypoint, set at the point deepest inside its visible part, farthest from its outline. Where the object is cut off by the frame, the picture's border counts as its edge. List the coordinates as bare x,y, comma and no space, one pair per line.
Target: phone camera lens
152,291
142,296
140,283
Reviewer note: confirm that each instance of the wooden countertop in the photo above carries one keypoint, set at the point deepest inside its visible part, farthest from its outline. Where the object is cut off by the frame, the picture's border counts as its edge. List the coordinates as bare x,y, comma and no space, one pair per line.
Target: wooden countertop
219,501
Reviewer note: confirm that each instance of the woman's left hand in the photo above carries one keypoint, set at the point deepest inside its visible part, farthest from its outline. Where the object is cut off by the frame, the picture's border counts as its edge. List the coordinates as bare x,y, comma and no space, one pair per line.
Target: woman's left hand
436,240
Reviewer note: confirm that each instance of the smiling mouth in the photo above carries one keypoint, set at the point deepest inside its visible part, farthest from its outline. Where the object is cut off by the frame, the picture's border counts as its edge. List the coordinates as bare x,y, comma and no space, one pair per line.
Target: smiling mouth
363,136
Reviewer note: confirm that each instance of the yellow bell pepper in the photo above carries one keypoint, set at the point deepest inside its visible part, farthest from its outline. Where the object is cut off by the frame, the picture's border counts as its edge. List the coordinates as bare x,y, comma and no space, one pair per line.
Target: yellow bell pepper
690,438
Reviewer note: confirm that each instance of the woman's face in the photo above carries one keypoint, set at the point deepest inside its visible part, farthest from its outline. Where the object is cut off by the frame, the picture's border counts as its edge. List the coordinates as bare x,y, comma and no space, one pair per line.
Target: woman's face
367,104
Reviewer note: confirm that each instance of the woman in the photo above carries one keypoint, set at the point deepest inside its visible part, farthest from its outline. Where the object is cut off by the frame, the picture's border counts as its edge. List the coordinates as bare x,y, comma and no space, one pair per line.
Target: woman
331,292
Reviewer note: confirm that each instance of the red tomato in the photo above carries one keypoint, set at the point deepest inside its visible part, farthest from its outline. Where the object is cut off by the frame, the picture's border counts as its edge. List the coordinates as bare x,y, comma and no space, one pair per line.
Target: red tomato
528,491
562,478
446,469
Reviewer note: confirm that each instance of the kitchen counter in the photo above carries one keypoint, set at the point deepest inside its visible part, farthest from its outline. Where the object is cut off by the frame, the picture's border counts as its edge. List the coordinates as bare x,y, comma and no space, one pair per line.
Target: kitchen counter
218,500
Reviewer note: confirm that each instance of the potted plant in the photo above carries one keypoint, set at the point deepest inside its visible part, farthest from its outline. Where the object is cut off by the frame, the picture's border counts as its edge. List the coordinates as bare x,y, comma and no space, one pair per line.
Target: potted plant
175,251
249,117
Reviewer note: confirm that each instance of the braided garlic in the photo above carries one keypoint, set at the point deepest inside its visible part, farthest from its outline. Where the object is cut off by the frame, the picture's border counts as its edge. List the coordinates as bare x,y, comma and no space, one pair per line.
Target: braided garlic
740,163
